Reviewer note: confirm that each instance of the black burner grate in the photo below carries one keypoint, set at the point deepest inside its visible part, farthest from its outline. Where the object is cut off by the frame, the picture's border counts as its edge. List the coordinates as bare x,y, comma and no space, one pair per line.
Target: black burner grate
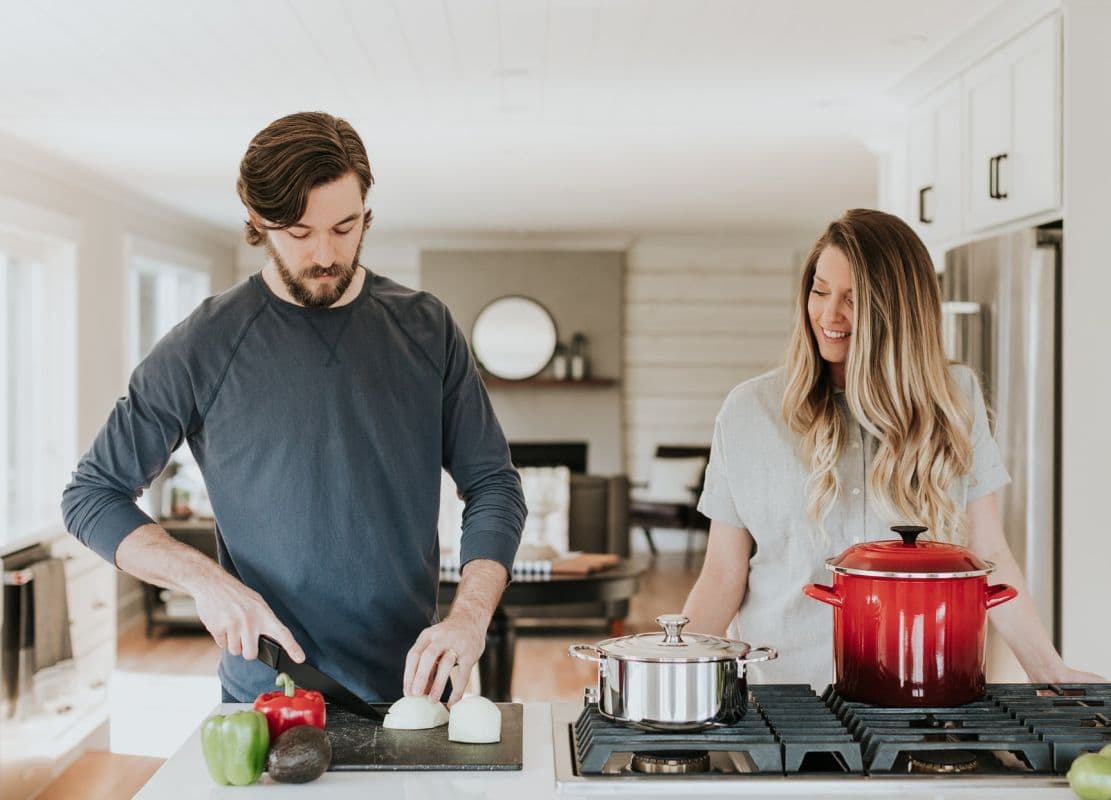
596,739
1072,718
785,726
1016,728
891,735
806,727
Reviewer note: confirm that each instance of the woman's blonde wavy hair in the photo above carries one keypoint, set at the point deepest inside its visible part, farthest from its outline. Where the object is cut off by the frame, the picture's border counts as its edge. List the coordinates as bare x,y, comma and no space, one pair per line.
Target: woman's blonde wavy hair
897,381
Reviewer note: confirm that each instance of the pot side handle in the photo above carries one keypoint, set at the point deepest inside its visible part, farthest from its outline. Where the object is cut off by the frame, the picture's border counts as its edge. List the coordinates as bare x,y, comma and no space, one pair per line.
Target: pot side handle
587,652
998,594
766,654
825,594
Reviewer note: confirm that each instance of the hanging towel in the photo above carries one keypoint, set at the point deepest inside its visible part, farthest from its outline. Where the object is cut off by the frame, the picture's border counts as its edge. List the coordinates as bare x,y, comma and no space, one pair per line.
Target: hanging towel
51,611
18,629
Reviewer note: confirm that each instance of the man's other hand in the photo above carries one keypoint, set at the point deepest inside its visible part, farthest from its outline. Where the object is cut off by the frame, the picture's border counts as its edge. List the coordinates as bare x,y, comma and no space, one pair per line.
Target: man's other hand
448,649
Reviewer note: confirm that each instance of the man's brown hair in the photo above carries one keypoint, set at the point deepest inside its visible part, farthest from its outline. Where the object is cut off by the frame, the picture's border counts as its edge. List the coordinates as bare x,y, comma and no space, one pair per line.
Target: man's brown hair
290,157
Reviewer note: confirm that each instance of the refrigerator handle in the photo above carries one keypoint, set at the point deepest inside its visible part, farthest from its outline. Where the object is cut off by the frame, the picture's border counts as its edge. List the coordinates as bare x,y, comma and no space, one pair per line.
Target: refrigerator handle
1041,463
956,318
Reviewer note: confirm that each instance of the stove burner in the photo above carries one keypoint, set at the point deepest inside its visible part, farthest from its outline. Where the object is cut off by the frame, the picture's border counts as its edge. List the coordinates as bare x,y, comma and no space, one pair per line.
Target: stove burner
665,763
943,761
1016,729
596,741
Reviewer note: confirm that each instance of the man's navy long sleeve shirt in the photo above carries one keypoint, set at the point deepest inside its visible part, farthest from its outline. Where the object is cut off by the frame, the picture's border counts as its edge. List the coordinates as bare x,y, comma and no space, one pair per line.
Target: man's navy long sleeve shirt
320,434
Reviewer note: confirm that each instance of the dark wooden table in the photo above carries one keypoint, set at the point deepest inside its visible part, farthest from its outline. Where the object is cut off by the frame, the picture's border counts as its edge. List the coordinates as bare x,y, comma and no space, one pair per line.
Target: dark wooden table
495,667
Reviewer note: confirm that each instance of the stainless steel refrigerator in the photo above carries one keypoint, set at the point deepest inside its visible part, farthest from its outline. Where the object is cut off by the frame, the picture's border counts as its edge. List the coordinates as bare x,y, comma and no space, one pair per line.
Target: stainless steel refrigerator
1000,316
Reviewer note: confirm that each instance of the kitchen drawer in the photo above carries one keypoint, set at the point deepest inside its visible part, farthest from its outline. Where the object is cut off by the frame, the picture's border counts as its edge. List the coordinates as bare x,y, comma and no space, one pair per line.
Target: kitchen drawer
85,638
92,603
94,668
78,558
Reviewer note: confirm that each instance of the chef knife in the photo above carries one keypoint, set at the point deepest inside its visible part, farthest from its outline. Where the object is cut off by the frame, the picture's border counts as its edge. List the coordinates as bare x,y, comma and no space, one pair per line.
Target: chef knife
307,676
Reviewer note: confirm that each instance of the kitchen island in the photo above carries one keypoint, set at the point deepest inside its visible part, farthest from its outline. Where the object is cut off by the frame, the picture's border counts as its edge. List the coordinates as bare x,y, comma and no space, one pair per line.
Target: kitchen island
184,777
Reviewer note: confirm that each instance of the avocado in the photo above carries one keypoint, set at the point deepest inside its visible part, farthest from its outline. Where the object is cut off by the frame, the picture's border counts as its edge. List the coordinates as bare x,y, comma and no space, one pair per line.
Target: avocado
299,755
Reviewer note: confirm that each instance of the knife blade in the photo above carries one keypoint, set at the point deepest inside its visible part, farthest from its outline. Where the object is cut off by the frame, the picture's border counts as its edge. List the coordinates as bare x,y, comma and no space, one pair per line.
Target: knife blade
307,676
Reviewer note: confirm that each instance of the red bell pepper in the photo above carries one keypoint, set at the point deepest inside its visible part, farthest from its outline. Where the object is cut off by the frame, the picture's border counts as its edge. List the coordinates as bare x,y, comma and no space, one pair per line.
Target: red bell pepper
290,707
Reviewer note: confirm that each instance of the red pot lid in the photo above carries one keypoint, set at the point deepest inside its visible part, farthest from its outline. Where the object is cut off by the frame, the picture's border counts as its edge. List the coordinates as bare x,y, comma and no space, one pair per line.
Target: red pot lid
909,558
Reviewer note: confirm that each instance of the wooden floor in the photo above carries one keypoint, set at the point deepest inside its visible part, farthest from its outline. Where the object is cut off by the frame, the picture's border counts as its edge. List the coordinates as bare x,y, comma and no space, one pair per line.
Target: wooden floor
102,775
543,672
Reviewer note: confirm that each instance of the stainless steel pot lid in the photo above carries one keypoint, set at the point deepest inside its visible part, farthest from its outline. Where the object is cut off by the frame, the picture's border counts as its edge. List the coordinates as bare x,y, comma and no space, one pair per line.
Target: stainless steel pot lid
672,645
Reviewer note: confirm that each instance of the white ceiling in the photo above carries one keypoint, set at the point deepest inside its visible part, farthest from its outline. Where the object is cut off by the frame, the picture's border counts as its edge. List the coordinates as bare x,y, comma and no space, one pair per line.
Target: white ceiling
519,116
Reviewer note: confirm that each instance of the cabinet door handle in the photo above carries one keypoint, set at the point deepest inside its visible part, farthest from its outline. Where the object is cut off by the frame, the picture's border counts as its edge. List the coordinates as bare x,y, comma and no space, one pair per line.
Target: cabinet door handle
99,604
922,204
993,177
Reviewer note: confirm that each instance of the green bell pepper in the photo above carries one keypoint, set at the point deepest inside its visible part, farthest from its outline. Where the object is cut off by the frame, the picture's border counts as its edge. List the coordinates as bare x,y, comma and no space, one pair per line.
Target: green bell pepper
235,747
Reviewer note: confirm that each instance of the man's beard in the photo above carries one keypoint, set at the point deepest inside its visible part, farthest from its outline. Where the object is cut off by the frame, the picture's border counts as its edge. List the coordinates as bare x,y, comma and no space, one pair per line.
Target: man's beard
298,284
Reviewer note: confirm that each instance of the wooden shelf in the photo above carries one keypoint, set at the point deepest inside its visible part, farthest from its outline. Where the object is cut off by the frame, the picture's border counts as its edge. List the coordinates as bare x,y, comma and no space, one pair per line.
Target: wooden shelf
548,383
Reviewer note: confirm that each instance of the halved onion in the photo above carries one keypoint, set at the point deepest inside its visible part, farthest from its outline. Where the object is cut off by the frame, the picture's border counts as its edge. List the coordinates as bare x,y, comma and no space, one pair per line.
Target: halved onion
474,720
416,713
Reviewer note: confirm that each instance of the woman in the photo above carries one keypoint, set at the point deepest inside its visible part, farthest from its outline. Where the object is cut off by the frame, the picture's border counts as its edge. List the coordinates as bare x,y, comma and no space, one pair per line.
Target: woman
867,425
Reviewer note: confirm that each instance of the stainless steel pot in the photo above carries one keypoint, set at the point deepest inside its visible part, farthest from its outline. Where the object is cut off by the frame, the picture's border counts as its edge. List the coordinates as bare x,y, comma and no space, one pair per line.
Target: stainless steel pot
671,682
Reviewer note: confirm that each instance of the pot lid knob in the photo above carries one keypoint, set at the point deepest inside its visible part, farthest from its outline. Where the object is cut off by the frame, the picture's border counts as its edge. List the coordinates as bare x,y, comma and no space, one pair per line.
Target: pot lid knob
673,627
909,532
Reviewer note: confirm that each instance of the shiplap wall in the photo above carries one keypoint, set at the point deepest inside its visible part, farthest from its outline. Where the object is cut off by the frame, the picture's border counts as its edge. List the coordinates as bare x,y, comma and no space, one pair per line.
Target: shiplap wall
700,317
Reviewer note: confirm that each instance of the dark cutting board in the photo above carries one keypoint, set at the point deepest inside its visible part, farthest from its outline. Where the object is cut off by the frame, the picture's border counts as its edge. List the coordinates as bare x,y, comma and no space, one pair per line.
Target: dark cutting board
359,744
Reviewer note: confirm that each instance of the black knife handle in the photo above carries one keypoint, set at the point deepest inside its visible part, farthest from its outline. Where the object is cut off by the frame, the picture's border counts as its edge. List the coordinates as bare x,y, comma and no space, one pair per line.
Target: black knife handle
269,651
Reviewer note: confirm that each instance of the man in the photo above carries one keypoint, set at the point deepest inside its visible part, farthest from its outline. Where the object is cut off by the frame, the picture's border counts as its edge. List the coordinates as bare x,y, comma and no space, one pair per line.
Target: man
320,402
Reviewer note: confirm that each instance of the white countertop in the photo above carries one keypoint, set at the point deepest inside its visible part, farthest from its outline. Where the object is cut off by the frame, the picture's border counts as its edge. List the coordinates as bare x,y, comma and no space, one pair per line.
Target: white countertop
184,777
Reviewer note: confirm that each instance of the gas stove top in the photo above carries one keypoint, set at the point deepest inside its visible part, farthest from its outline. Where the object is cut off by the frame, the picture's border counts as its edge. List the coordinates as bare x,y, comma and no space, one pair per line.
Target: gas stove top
1019,733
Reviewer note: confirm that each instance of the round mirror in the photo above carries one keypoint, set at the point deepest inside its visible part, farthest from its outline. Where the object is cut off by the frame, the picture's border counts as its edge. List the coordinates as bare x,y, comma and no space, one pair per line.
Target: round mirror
514,338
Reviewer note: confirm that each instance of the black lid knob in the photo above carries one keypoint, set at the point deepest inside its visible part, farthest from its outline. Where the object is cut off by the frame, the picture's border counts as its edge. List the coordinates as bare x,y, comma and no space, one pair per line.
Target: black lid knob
909,532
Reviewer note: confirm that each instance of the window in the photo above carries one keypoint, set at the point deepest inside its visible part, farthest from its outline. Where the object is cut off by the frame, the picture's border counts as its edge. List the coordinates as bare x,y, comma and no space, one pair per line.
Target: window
37,360
165,288
162,295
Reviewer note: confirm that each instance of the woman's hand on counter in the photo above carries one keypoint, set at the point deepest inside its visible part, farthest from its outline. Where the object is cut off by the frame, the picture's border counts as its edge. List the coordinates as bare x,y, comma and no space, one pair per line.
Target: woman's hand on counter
1069,675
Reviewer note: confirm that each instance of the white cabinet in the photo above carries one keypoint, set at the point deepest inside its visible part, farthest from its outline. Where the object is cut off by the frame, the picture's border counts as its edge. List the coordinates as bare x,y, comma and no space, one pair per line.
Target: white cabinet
892,178
70,709
934,164
92,608
91,593
1011,105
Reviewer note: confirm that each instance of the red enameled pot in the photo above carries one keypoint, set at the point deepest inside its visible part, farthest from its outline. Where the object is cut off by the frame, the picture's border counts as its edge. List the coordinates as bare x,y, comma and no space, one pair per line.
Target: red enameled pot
909,621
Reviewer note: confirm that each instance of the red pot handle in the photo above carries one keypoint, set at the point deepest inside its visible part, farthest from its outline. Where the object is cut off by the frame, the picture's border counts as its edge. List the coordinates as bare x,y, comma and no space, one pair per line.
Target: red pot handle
825,594
998,594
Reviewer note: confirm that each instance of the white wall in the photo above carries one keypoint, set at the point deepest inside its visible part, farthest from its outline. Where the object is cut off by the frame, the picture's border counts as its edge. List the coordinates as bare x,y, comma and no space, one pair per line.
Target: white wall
1085,333
104,216
106,213
701,316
